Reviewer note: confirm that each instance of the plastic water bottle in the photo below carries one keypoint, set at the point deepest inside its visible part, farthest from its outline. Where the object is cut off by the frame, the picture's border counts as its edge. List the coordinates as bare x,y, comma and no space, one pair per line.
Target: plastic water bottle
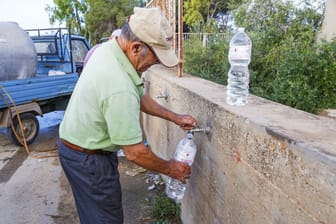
185,152
238,77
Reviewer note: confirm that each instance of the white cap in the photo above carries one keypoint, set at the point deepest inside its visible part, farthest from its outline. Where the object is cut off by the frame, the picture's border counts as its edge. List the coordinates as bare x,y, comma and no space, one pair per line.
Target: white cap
153,28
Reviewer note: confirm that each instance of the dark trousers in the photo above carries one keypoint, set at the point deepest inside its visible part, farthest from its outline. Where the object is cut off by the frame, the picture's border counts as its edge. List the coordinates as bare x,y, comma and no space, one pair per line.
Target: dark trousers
94,181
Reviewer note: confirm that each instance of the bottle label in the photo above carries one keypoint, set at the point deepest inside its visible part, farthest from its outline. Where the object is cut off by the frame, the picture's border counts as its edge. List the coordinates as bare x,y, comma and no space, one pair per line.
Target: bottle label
186,155
239,53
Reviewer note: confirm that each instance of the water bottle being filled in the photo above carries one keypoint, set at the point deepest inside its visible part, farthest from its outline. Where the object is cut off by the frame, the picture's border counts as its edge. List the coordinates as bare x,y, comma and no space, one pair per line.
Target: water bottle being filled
185,152
238,77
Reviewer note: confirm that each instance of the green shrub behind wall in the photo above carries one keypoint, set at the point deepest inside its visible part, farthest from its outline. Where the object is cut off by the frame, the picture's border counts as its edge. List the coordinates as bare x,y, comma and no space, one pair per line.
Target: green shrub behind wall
208,62
299,75
287,65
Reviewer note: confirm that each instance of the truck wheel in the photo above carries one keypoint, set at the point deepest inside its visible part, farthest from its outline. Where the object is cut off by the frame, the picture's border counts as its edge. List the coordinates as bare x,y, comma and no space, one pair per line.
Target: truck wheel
30,127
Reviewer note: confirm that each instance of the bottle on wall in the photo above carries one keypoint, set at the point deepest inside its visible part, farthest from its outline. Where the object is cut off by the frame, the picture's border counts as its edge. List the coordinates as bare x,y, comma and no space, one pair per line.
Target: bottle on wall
238,77
185,152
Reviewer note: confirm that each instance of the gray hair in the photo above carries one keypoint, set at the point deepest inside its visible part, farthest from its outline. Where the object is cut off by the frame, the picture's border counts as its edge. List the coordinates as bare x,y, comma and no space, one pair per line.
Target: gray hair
128,34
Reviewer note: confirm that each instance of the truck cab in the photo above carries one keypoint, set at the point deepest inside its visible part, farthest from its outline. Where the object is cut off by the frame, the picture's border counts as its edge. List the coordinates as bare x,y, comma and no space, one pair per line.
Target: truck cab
58,51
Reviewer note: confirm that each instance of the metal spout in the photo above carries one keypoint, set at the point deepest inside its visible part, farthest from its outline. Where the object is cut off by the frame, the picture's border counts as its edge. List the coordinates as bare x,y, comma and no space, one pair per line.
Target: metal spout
205,130
164,95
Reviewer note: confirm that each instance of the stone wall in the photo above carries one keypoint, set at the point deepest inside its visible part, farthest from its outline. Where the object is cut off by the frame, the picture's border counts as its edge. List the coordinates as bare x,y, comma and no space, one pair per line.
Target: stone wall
262,163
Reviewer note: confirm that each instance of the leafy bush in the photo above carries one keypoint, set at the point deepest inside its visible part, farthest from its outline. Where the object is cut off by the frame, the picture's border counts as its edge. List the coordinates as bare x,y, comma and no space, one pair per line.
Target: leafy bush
287,65
208,62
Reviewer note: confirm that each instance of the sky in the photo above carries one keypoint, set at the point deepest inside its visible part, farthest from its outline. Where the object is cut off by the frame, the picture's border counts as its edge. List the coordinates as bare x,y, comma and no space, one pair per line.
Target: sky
29,14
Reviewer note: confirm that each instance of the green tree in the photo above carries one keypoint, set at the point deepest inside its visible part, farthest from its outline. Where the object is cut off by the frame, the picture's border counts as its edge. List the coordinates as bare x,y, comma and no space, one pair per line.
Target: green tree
104,16
93,18
71,12
200,14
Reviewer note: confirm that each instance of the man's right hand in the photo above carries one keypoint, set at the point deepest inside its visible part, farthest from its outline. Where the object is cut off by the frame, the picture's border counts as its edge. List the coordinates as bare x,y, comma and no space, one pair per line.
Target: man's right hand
143,156
179,170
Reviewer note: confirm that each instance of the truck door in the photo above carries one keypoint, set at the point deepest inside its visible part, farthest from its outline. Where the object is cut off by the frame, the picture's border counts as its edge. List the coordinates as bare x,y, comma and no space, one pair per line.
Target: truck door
80,47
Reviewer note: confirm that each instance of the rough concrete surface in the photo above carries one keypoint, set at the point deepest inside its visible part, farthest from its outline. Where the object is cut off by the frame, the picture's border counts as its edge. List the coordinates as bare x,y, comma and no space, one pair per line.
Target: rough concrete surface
35,190
261,163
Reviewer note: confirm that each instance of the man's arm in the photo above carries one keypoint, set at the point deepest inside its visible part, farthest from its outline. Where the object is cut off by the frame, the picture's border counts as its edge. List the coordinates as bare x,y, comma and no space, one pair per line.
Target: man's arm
144,157
151,107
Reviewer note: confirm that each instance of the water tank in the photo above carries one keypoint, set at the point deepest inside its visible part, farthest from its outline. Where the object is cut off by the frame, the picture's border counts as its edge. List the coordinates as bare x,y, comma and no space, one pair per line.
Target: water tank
18,58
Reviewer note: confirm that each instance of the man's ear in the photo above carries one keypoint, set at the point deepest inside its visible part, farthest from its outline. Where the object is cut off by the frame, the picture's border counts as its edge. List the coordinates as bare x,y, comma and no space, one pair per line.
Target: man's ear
136,47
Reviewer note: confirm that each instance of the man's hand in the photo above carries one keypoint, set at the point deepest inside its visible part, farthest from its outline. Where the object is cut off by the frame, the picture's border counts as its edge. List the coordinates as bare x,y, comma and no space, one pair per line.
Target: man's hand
142,156
150,106
179,170
186,122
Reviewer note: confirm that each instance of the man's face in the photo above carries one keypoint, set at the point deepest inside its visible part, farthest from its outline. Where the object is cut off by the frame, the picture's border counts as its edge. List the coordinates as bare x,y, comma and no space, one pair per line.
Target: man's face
143,57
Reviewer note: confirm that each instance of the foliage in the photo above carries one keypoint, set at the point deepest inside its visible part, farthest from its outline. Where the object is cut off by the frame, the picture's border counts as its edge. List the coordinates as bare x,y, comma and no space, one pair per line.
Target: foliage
105,16
200,14
69,11
165,210
93,18
207,62
304,76
288,66
284,52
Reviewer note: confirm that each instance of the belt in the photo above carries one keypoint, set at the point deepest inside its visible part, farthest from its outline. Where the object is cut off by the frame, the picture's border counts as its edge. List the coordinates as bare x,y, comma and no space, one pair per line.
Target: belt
83,150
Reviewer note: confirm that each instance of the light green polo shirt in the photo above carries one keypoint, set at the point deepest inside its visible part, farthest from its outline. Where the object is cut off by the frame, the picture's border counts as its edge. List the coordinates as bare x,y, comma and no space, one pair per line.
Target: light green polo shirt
104,109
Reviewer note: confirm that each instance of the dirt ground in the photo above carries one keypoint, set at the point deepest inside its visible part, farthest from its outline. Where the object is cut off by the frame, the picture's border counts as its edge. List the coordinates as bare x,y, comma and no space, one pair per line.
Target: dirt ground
35,190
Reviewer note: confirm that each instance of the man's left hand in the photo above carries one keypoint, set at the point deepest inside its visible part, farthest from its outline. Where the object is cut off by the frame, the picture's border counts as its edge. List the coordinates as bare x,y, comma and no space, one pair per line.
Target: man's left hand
186,122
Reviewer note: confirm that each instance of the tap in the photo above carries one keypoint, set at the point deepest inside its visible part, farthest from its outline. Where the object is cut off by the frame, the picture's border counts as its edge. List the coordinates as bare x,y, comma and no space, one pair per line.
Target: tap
163,95
205,130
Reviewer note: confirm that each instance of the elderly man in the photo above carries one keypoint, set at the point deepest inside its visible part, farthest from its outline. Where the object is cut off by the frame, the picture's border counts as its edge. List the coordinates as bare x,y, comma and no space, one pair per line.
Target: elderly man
104,114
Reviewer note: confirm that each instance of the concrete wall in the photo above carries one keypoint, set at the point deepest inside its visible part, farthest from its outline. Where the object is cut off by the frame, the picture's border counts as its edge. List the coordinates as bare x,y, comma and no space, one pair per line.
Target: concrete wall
328,30
262,163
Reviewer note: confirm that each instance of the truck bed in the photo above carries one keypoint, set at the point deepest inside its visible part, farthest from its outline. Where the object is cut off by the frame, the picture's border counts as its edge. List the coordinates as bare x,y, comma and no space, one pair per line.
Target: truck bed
37,89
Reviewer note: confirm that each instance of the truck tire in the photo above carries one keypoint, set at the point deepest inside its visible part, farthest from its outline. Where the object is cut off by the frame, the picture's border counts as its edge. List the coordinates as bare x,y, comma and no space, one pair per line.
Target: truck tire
31,128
